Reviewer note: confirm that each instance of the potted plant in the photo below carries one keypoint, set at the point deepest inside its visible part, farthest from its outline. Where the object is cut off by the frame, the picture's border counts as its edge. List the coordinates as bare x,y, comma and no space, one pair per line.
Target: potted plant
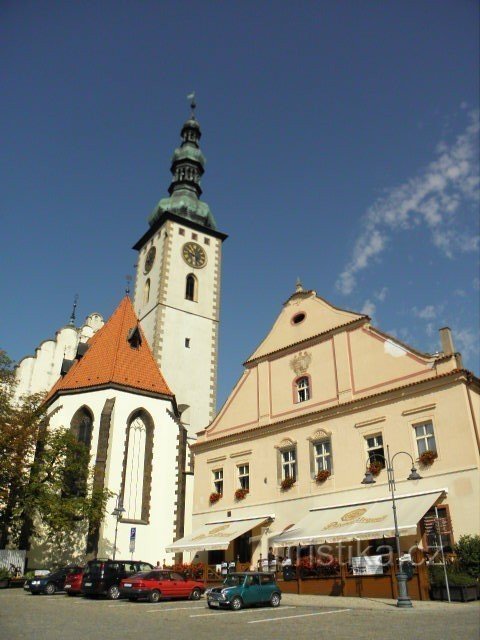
4,578
214,497
241,493
286,483
375,467
322,475
427,458
462,587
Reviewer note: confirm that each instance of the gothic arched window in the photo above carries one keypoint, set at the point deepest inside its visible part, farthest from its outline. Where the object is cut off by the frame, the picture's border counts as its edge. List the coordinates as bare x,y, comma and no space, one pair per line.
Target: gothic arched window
137,466
81,426
76,465
191,287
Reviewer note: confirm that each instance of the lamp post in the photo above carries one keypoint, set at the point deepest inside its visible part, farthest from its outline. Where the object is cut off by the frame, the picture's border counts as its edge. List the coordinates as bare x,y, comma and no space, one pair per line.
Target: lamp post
117,512
403,600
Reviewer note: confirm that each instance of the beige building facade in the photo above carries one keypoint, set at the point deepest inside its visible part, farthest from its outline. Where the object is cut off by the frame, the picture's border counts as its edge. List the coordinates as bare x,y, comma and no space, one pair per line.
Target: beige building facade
317,405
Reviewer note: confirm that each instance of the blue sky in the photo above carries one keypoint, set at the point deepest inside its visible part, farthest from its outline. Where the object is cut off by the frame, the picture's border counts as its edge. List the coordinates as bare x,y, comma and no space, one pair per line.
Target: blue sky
342,148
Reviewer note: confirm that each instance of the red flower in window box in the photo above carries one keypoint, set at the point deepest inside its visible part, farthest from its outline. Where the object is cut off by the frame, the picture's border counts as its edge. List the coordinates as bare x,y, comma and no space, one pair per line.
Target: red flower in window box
287,483
214,497
375,467
240,493
427,458
322,475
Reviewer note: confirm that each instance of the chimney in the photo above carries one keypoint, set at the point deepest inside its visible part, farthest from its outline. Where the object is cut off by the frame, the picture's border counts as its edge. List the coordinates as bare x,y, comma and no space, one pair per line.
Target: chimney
447,341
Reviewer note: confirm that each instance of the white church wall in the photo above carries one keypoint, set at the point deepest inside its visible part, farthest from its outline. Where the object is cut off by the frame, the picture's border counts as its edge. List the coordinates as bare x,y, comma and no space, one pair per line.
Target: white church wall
152,538
38,373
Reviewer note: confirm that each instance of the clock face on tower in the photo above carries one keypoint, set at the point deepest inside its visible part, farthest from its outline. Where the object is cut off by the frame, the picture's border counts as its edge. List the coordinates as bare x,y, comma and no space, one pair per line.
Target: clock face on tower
194,255
150,259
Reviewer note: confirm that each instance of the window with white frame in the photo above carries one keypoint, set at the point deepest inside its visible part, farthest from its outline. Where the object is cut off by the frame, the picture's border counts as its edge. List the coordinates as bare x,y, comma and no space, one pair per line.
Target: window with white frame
375,450
289,463
303,389
218,480
425,437
322,453
244,476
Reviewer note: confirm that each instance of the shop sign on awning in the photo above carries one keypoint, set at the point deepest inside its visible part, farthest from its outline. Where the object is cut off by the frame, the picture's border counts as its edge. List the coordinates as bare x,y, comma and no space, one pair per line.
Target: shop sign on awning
215,535
360,520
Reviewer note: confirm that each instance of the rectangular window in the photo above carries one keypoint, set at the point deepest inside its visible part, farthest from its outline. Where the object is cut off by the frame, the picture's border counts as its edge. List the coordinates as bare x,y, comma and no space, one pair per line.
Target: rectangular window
425,437
187,343
375,449
206,240
181,231
218,480
244,476
194,236
323,456
289,464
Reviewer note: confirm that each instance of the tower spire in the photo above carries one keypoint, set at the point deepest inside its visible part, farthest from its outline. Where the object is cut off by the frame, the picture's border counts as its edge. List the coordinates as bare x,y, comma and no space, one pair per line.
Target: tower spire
71,322
187,169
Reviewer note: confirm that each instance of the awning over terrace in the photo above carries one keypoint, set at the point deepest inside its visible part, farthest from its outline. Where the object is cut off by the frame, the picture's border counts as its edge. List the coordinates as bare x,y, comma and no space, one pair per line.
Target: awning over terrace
359,520
216,535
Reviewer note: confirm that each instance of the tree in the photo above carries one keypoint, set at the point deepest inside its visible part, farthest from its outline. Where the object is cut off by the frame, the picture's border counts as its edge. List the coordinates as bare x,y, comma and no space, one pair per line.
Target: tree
19,428
46,485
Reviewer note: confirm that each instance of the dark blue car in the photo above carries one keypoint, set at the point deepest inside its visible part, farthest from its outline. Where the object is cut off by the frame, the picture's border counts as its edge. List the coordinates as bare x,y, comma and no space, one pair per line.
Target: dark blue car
53,582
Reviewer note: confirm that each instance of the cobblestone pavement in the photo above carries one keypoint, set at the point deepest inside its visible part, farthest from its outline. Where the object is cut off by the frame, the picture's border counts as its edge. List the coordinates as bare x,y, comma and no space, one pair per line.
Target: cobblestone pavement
58,617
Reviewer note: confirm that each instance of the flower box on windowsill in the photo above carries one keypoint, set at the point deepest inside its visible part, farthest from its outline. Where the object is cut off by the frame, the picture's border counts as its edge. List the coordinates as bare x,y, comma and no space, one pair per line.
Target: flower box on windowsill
427,458
240,494
375,467
287,483
214,497
322,475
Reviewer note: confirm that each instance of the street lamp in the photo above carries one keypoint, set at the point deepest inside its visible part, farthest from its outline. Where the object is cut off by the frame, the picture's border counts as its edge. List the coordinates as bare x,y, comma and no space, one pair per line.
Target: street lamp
403,600
117,512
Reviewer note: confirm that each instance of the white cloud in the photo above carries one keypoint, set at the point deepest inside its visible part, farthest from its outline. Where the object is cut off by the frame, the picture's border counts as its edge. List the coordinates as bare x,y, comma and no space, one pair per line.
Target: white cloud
382,294
435,198
466,341
427,313
430,329
368,308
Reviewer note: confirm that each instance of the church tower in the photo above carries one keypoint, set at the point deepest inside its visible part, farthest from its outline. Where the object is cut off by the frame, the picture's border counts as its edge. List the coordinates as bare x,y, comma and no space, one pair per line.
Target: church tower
177,284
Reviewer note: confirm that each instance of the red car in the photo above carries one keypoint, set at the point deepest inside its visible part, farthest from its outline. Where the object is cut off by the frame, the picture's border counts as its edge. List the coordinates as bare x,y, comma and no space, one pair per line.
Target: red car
157,585
73,583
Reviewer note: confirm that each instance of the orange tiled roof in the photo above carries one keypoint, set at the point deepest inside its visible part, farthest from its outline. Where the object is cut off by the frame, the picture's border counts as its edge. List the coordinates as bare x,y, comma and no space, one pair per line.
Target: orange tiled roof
111,359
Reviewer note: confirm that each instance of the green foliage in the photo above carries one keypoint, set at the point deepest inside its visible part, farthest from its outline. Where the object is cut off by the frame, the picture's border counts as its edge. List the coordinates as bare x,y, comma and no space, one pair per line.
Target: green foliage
468,554
4,573
456,577
46,487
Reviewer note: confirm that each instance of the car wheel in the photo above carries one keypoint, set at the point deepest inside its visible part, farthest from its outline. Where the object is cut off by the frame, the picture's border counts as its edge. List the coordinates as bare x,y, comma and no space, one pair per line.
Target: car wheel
236,603
196,594
154,596
50,589
275,600
113,593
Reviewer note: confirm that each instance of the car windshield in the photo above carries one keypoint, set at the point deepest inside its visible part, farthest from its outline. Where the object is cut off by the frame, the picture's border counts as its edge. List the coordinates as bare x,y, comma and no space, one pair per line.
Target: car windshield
233,580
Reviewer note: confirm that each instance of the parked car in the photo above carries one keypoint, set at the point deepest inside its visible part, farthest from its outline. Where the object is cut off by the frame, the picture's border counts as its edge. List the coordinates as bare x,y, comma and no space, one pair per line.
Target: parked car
245,589
103,577
53,581
157,585
73,583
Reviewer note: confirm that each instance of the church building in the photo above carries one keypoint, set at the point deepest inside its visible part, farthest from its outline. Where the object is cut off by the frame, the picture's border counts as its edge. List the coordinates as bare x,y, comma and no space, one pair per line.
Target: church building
136,389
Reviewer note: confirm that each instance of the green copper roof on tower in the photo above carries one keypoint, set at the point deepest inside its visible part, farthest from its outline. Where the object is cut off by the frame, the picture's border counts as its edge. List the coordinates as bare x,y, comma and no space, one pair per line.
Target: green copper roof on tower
187,168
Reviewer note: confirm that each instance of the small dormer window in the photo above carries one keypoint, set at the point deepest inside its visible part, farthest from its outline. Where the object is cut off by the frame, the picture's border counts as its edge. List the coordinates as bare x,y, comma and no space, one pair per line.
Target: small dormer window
134,337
